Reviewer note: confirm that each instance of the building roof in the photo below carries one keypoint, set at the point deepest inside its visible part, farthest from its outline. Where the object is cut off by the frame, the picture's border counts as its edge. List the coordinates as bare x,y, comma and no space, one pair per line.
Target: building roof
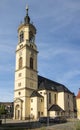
78,95
6,103
35,94
55,107
47,84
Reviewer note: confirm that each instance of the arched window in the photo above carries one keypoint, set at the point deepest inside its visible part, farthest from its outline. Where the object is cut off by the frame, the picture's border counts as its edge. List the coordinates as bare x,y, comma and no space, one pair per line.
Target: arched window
31,63
20,62
49,98
21,36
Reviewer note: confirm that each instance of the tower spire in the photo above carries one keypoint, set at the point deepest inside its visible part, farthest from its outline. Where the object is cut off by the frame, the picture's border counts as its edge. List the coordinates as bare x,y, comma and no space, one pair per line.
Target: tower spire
27,8
27,18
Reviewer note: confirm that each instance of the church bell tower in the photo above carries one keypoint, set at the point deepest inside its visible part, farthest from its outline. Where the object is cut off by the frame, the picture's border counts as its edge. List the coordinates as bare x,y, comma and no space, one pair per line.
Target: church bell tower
26,78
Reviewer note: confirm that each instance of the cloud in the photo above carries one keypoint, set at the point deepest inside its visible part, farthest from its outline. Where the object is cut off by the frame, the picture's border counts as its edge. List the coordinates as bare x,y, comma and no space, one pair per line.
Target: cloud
6,88
50,51
6,48
58,39
6,96
70,75
7,69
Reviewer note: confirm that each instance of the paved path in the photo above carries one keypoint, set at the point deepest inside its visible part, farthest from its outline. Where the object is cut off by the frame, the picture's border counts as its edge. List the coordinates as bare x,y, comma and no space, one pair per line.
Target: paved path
65,126
19,124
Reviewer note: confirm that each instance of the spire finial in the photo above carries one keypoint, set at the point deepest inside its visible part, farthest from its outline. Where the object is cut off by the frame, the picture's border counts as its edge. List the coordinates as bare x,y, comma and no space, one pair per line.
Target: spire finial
27,18
27,8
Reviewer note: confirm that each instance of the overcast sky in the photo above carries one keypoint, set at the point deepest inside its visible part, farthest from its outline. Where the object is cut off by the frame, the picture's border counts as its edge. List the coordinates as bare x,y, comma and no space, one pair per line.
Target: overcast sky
57,39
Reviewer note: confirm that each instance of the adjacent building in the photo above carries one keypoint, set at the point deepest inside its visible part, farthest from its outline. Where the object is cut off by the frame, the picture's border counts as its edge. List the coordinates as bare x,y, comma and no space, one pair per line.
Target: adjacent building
8,108
34,95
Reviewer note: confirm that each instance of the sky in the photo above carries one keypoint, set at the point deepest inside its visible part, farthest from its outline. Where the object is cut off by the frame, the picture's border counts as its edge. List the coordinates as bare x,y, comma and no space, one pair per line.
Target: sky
58,41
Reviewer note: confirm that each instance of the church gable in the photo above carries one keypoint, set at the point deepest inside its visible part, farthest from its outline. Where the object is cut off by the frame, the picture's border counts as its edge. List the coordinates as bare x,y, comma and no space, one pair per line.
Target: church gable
36,94
18,100
55,107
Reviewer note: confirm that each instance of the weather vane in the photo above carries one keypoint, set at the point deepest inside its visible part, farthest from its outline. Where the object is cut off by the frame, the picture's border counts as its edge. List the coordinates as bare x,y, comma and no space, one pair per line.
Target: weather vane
27,8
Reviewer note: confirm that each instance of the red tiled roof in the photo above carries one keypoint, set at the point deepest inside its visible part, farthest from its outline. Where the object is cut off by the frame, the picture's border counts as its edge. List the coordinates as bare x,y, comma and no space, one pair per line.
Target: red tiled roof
78,95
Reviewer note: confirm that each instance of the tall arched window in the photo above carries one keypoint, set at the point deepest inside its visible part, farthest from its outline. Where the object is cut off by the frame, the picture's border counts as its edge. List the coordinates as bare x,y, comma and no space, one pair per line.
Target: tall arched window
31,63
21,36
20,62
49,98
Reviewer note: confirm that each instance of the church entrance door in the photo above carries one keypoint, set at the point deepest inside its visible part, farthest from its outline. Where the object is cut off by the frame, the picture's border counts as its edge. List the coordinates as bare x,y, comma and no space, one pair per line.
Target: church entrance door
17,114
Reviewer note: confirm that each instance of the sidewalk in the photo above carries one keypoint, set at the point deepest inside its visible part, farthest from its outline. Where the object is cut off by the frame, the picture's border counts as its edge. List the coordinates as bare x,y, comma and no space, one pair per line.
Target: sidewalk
65,126
15,121
70,125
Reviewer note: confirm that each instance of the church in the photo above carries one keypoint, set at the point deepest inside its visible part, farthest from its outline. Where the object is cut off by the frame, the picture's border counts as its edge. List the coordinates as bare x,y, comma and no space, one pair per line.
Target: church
36,96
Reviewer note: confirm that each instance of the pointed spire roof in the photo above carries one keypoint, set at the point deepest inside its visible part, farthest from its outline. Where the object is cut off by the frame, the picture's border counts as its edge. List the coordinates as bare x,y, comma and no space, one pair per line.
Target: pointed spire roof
78,95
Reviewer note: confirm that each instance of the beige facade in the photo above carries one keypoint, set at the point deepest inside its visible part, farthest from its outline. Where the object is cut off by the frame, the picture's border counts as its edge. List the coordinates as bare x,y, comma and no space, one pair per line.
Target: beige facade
36,96
78,108
78,104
